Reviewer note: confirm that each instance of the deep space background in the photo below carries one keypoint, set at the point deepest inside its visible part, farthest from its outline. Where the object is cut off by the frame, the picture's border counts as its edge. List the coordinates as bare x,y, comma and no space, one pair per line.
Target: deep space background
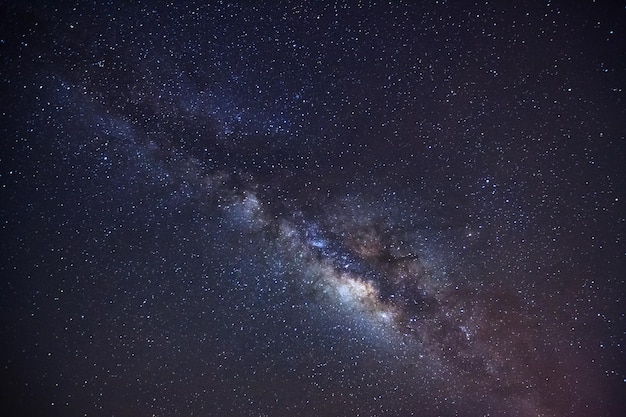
312,208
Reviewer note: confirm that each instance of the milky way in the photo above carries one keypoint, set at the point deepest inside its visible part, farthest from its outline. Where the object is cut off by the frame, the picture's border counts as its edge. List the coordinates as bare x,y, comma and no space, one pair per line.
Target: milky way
312,209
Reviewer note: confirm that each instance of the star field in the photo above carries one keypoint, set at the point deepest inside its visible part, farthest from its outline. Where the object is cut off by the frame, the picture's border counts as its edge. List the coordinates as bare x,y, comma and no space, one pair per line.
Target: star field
313,209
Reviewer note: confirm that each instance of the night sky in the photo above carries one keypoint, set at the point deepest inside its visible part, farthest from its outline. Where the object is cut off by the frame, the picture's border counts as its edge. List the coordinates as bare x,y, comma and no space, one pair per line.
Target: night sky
312,209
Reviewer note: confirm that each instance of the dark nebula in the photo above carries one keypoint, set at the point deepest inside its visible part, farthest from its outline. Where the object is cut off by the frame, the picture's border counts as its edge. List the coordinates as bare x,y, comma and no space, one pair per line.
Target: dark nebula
312,209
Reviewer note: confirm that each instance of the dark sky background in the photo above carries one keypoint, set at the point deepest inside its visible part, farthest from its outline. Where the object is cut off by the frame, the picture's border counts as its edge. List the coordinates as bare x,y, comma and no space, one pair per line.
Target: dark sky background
312,209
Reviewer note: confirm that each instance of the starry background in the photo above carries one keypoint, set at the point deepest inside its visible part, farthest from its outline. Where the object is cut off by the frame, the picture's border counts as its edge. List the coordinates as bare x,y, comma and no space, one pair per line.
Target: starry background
314,209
